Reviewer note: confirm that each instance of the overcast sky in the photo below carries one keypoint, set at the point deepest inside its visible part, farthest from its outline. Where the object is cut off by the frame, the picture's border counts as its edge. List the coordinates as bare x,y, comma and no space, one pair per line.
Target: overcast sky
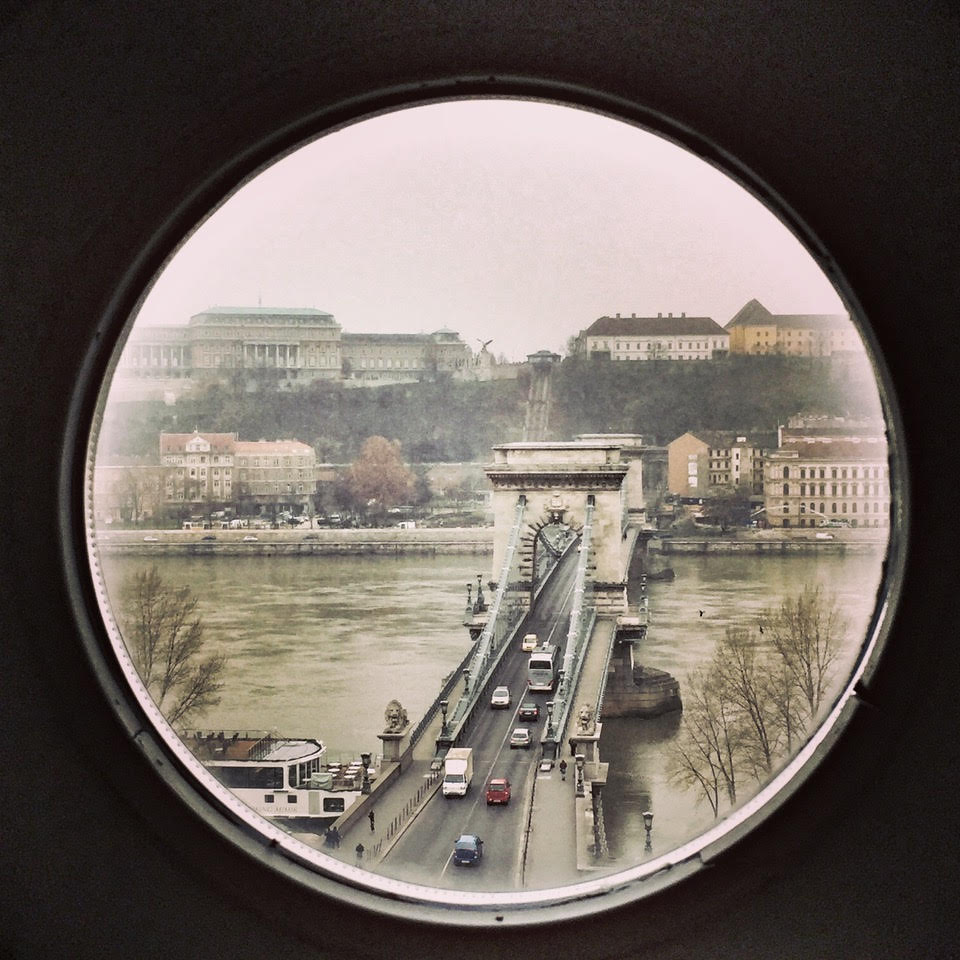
521,222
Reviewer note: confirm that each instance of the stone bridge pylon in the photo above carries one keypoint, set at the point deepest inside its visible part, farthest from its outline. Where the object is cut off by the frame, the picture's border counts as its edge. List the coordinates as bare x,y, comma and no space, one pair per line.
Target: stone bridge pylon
558,478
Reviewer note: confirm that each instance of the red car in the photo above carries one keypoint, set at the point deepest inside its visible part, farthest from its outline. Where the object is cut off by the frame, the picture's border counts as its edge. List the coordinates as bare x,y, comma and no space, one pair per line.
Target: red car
498,791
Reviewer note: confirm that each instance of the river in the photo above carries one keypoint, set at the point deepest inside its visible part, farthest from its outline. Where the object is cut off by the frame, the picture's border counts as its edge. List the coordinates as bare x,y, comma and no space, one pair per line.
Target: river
318,645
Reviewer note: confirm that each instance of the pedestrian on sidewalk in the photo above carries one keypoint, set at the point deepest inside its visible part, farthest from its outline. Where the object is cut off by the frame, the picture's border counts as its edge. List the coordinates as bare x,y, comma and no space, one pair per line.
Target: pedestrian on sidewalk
371,818
563,769
359,851
336,837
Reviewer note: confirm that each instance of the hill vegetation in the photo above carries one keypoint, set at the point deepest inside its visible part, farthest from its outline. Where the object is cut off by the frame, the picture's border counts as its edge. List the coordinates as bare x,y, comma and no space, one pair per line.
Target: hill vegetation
449,421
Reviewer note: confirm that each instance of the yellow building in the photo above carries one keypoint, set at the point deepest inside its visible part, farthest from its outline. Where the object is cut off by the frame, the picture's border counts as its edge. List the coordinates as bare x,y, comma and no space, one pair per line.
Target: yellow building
755,330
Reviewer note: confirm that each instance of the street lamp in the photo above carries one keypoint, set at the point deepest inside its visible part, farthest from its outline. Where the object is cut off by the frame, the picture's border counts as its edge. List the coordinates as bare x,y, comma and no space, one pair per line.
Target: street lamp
365,760
549,718
443,711
580,759
648,826
466,681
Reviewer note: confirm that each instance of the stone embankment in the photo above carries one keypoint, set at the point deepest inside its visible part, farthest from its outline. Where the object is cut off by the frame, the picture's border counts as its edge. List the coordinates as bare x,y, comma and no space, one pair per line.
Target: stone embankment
772,542
299,542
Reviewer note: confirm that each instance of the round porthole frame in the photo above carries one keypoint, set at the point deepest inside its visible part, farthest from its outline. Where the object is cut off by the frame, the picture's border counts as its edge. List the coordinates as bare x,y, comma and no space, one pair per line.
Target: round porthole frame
359,889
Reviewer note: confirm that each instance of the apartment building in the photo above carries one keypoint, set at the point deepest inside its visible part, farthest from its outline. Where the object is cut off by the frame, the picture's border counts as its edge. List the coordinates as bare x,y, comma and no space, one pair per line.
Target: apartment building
703,462
826,474
209,469
653,338
754,330
199,467
275,474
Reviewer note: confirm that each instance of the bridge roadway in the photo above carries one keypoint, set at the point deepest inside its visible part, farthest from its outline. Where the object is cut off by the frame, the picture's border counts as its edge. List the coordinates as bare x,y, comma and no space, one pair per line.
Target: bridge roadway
424,852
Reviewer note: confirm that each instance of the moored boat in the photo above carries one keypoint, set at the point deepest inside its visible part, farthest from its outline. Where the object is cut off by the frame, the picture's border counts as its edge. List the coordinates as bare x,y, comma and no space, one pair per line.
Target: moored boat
285,779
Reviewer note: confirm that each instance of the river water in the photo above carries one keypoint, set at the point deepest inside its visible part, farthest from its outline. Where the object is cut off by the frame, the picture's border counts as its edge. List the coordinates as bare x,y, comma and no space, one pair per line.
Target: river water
318,645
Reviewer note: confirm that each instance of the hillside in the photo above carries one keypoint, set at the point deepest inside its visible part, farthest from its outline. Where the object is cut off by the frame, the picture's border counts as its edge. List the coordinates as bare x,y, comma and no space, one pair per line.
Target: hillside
452,421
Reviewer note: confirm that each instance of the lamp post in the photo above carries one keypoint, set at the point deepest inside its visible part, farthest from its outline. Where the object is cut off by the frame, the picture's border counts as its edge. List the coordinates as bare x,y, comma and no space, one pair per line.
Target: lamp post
443,712
365,760
466,681
549,718
580,759
648,826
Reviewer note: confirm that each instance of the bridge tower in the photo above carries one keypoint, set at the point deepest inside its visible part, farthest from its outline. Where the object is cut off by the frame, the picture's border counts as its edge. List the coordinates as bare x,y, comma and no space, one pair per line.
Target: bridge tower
557,478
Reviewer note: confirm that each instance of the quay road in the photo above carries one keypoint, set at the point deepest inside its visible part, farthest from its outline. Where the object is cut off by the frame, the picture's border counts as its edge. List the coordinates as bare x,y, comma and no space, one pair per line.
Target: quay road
423,854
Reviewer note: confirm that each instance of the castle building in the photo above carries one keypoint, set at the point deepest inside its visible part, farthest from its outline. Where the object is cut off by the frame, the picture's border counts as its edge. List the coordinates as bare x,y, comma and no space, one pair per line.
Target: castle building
653,338
299,346
755,330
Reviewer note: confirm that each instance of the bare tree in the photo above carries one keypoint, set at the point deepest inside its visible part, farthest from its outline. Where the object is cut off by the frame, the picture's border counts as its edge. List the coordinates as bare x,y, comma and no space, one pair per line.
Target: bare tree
807,632
164,635
743,674
704,754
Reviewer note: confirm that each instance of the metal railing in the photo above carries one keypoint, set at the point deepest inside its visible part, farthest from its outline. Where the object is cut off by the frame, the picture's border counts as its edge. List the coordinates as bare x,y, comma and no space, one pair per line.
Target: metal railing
507,611
449,683
413,804
582,618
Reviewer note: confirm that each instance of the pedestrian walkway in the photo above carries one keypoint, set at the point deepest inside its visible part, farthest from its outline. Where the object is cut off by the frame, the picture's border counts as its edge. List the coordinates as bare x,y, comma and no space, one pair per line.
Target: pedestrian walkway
560,839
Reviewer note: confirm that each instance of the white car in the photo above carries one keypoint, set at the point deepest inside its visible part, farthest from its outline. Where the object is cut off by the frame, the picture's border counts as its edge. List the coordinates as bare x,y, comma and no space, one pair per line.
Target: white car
249,538
529,643
520,738
500,698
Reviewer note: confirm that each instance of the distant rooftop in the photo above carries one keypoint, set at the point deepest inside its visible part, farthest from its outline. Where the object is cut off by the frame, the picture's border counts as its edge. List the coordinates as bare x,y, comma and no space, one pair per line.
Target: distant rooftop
754,313
290,314
634,326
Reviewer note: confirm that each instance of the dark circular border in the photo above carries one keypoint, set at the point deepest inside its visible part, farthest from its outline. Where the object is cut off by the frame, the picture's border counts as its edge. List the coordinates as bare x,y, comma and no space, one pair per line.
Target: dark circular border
628,885
858,122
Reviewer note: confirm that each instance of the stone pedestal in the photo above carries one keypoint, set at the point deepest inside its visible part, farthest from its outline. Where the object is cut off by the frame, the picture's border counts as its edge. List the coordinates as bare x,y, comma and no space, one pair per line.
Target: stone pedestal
587,743
394,743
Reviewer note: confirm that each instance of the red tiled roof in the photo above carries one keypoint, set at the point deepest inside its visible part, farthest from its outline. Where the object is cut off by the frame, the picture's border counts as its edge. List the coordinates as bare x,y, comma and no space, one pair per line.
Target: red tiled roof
826,449
272,446
172,442
653,327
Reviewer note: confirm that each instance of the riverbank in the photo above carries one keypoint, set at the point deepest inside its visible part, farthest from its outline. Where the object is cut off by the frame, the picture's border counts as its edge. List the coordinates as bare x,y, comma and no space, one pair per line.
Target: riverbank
390,541
775,542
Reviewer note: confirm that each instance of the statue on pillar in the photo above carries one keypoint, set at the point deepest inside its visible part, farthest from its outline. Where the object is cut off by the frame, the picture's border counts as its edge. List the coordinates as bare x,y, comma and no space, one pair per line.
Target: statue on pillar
395,717
586,722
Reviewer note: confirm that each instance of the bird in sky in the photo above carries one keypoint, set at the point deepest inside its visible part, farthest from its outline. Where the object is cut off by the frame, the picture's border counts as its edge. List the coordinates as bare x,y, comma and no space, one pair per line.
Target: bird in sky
484,343
701,613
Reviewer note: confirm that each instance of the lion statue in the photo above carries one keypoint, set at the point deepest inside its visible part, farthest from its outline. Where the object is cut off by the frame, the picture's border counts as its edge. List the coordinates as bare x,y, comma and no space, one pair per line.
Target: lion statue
395,717
585,719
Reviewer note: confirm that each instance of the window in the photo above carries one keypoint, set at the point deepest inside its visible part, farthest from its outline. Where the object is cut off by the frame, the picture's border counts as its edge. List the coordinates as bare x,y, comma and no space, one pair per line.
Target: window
285,606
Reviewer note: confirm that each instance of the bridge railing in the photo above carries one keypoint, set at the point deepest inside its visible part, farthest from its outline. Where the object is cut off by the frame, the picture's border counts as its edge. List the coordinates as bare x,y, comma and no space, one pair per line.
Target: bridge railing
506,615
448,684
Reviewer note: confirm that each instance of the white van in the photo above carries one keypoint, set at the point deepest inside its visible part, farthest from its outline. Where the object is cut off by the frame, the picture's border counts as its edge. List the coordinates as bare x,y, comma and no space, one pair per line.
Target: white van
529,643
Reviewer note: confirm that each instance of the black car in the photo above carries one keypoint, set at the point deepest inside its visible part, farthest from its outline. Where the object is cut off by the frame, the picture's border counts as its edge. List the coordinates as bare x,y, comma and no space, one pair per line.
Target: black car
529,711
